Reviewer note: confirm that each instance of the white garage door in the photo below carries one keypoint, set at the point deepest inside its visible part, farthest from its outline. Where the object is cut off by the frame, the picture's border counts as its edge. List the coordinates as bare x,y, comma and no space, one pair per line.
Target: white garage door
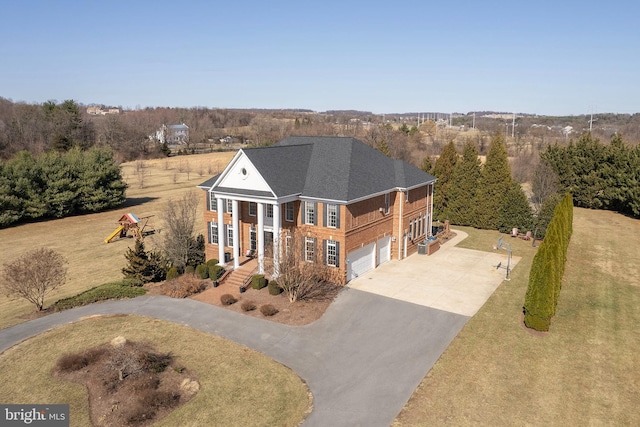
360,261
384,249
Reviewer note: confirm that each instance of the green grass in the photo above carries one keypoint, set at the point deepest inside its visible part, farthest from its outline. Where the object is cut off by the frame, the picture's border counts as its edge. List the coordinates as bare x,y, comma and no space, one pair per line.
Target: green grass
238,386
114,290
583,372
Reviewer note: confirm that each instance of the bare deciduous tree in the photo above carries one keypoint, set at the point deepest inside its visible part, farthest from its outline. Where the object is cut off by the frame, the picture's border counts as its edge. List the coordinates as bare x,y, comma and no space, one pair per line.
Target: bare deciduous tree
543,185
179,219
34,275
302,273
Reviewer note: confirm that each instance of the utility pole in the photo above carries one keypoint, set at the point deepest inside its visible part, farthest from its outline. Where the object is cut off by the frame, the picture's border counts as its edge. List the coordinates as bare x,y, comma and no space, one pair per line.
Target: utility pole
513,126
474,121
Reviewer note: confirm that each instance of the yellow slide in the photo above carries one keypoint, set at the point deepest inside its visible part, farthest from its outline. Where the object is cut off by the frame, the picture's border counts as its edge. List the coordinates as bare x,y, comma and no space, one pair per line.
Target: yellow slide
114,234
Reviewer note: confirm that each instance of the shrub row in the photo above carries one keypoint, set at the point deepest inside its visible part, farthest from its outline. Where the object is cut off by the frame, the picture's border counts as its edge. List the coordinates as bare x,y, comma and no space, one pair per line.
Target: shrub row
114,290
547,269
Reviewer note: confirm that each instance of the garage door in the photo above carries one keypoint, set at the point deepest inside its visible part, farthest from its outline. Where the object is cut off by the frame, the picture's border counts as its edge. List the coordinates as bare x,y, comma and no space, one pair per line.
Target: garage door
360,261
384,250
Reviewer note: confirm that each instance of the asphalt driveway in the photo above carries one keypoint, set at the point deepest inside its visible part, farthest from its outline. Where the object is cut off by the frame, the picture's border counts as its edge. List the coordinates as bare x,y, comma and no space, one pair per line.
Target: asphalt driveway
362,360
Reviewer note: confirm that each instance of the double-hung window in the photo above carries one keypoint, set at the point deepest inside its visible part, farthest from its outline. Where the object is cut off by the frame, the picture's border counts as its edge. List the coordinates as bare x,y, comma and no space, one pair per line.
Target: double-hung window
213,233
269,211
213,203
229,206
332,215
310,213
310,249
229,235
289,213
332,253
253,209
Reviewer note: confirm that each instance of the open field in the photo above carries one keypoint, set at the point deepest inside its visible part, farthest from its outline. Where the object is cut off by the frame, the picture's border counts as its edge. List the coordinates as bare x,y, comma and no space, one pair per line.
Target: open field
81,238
585,371
238,386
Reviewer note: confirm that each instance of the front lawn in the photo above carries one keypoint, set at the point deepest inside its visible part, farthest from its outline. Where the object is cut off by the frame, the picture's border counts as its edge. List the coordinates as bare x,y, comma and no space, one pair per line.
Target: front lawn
585,371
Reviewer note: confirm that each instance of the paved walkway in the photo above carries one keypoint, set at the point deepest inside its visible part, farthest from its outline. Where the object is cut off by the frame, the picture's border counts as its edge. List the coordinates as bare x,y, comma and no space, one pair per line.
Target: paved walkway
362,360
453,279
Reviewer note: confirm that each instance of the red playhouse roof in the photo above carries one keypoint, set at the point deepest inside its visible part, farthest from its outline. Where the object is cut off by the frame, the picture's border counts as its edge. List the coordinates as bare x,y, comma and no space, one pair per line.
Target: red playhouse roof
131,218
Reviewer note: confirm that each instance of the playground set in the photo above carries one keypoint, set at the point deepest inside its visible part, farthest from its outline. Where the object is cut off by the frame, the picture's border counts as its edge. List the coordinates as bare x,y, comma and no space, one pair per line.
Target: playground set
131,225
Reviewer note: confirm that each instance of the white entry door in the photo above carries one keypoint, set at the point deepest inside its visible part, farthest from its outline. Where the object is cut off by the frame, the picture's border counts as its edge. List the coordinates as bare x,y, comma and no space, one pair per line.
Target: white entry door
360,261
384,249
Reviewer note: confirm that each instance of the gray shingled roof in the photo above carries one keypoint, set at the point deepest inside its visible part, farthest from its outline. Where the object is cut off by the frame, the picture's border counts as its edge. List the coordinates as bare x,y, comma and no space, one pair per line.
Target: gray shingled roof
331,168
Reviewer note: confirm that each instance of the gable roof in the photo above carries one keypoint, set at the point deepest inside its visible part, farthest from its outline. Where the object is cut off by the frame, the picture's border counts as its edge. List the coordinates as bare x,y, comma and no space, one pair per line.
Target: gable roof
339,169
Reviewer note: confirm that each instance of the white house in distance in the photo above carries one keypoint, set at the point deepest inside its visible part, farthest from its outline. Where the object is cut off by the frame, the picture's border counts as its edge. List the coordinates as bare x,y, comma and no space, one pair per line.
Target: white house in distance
172,134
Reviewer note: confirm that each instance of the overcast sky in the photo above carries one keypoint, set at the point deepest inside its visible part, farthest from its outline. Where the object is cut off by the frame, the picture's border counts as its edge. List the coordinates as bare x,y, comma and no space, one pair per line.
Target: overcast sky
545,57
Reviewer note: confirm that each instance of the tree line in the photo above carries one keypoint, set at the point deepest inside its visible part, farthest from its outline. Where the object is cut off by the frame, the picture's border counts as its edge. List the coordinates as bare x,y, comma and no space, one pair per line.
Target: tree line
483,195
599,176
55,185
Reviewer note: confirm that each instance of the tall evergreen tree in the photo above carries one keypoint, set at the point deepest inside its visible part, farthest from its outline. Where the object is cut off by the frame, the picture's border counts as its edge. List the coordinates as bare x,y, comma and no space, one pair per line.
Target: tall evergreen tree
443,170
493,185
138,266
463,186
516,211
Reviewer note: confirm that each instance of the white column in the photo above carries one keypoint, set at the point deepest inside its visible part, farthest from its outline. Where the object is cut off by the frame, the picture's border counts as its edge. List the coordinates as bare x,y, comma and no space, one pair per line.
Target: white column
430,220
221,233
260,238
276,239
236,234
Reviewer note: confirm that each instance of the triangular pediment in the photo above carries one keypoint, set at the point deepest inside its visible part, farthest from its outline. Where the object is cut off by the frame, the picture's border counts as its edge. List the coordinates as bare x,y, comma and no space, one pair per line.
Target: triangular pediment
241,174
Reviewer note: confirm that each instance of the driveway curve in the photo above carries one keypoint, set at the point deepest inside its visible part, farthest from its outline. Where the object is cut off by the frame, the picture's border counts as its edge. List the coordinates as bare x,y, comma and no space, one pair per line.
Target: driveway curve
362,360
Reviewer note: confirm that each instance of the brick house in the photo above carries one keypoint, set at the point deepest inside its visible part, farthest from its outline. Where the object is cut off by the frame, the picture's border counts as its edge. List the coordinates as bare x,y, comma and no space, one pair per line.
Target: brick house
356,207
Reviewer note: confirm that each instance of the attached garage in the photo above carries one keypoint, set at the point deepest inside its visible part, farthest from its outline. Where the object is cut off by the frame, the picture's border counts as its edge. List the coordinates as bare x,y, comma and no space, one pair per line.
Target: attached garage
360,261
384,249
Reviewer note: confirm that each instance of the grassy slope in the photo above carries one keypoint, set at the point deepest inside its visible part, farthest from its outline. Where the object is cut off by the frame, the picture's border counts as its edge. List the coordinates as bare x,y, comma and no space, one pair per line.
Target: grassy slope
81,238
585,371
238,386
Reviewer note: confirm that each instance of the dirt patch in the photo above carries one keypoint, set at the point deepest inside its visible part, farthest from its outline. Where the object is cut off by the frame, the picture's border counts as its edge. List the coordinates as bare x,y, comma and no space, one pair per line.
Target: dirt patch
128,383
297,313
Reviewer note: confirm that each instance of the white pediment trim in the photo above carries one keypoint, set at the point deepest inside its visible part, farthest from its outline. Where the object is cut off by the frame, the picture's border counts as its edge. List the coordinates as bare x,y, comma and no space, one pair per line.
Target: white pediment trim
241,174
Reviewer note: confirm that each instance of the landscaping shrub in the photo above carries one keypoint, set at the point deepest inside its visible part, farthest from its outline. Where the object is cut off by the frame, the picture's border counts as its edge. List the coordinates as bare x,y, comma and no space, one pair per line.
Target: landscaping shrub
258,281
202,271
274,288
156,362
215,271
248,306
268,310
114,290
212,262
189,269
228,299
183,286
172,273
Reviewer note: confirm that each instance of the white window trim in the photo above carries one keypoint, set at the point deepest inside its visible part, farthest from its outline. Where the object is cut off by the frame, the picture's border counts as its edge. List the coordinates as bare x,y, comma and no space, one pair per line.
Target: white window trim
229,235
332,209
213,203
309,209
253,209
268,212
332,244
229,206
307,241
216,240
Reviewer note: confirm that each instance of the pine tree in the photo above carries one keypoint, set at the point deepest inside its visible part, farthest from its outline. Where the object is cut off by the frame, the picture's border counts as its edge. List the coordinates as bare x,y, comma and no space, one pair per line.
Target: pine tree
138,266
443,170
463,186
493,185
426,165
516,211
383,147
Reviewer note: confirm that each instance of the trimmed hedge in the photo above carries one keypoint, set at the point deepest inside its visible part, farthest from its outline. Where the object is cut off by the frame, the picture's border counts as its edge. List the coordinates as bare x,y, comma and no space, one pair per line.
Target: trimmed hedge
172,273
215,271
258,281
202,271
547,269
212,262
274,288
115,290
